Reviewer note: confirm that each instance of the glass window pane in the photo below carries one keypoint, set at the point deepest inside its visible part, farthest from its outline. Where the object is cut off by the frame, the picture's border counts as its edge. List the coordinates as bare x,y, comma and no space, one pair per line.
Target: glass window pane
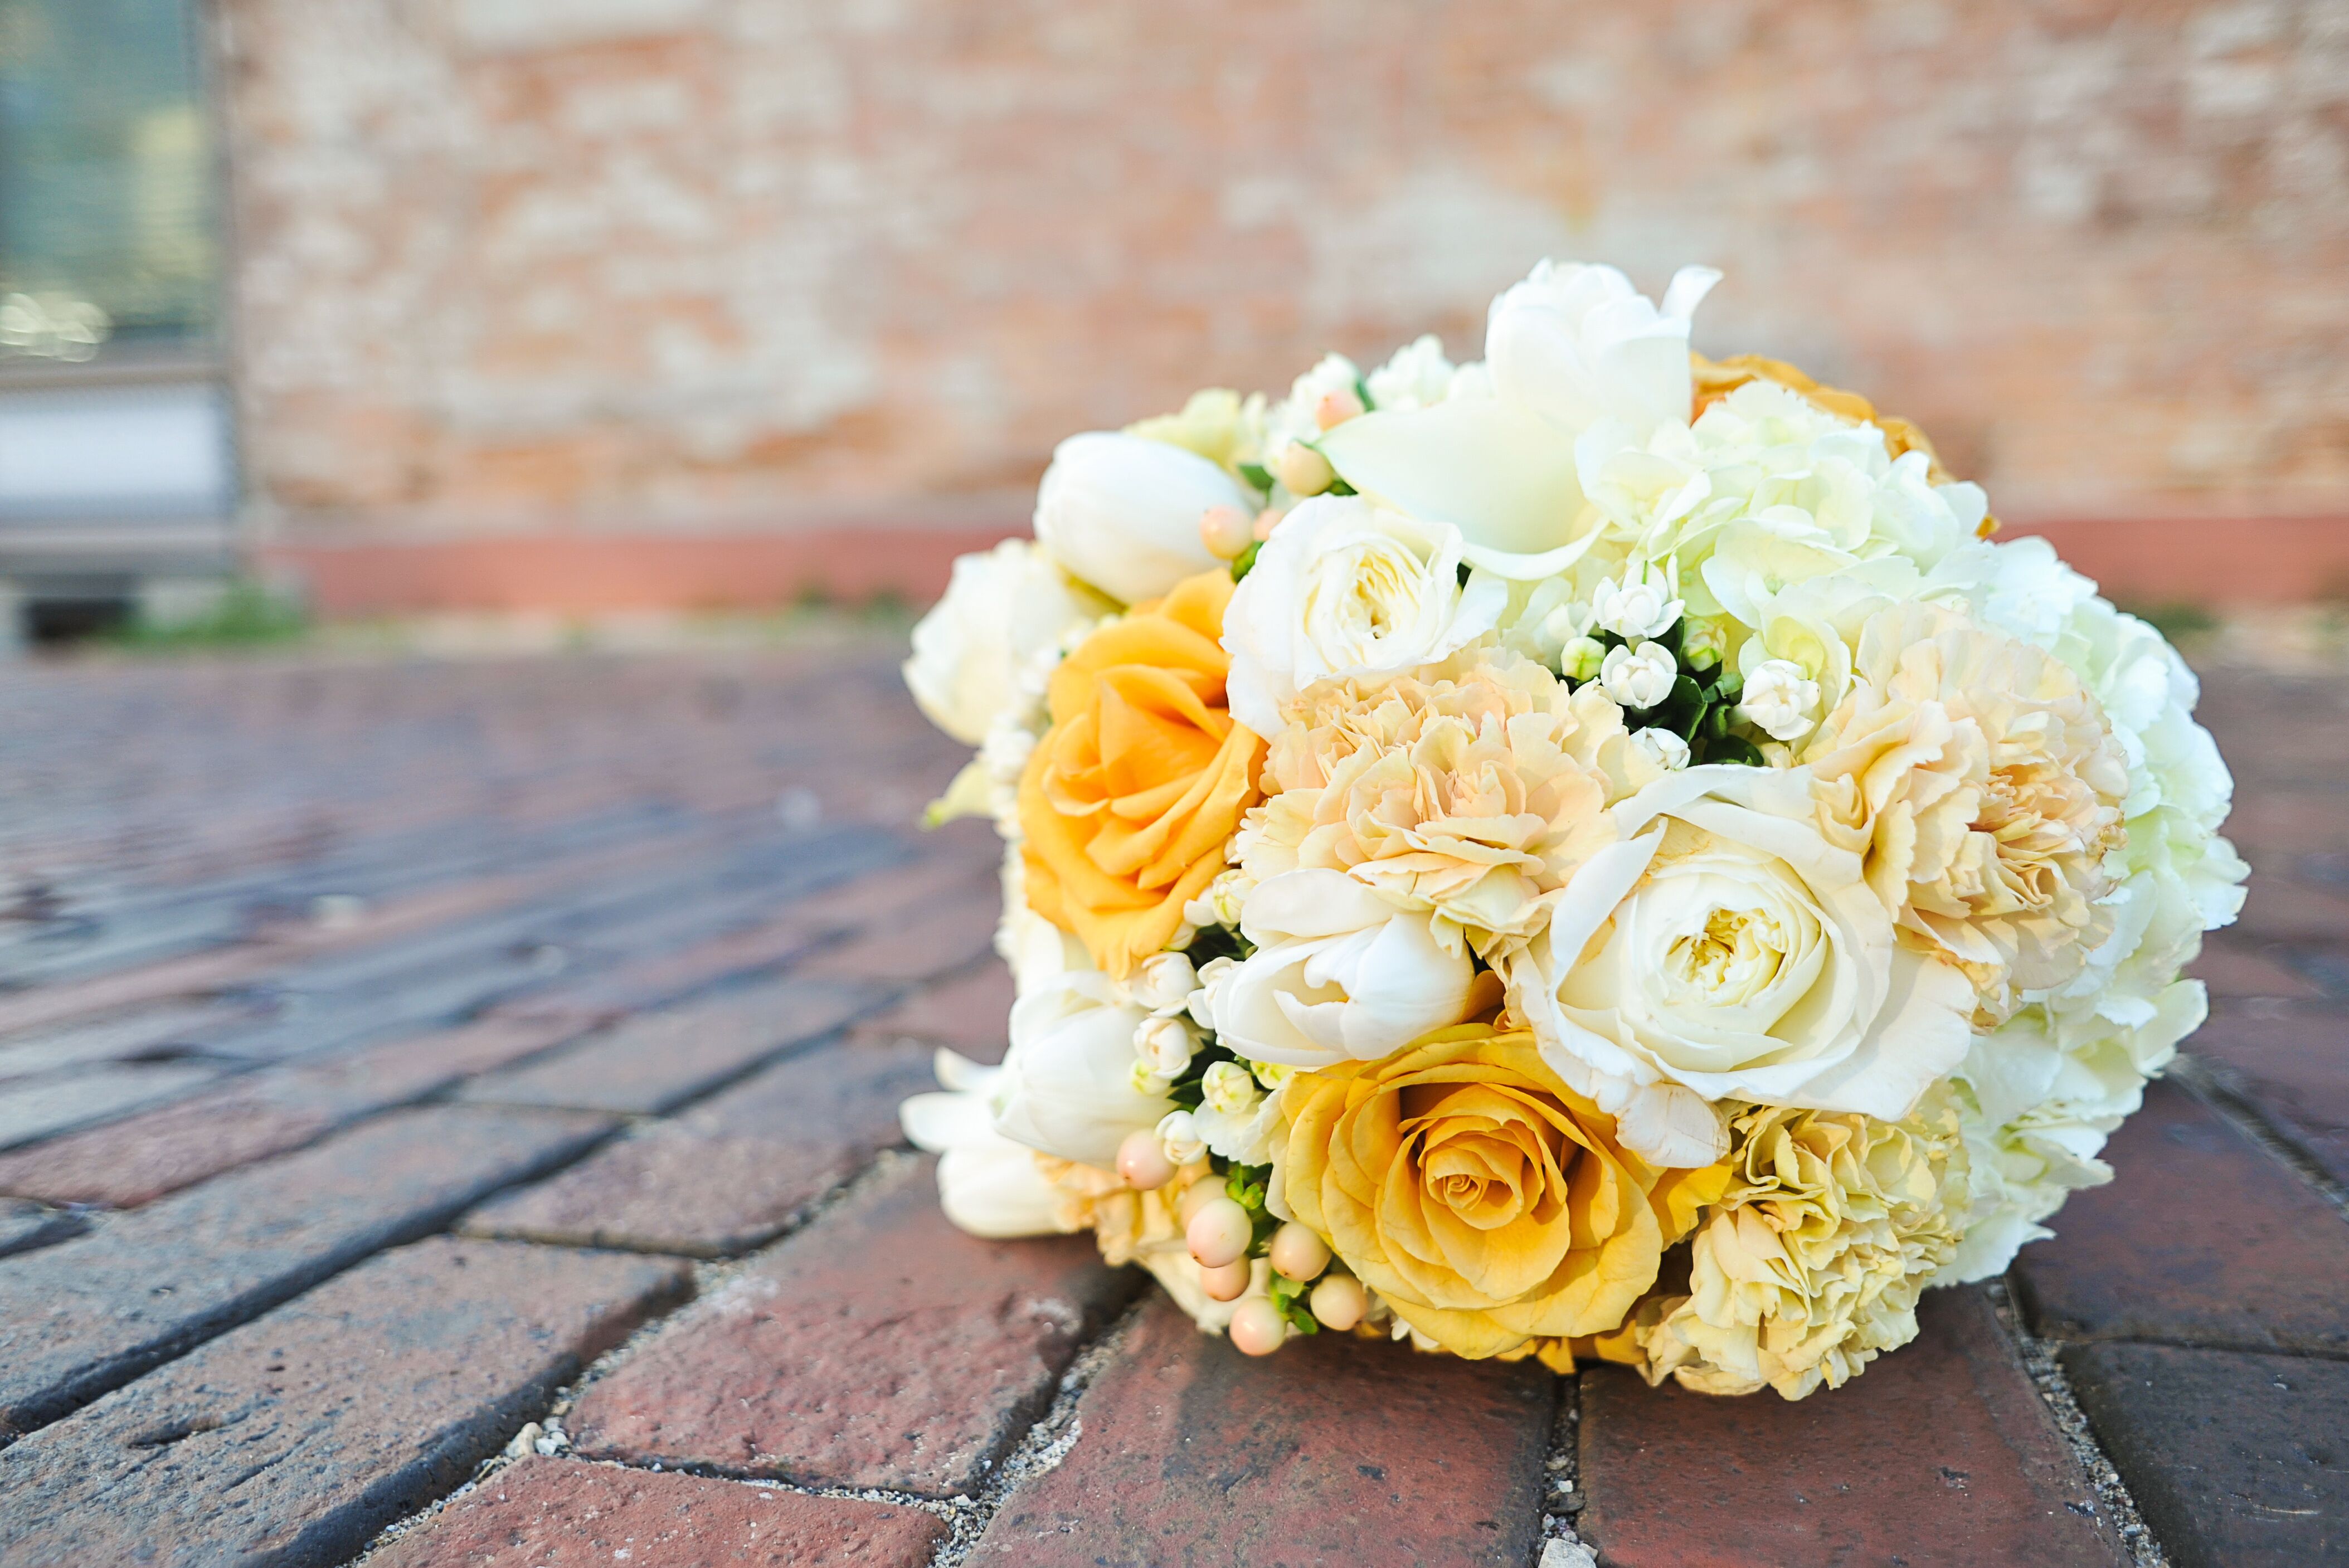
108,228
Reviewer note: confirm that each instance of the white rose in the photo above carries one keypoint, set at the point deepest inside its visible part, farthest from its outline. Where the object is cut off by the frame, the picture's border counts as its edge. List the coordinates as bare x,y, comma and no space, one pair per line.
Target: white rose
1577,344
1337,973
1638,677
1066,1087
1122,512
1003,607
1781,700
1639,606
1725,947
1346,589
987,1185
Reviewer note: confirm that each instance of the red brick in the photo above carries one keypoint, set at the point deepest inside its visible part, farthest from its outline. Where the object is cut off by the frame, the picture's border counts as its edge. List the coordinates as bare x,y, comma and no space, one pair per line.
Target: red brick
82,1316
657,1061
1332,1451
135,1160
943,935
1941,1452
2292,1068
564,1513
2201,1238
730,1174
879,1347
970,1012
24,1227
2234,1461
294,1439
39,1107
2278,908
2232,970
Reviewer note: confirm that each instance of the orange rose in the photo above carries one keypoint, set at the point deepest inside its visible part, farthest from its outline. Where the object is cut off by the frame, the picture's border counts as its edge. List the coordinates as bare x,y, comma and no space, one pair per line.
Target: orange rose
1134,793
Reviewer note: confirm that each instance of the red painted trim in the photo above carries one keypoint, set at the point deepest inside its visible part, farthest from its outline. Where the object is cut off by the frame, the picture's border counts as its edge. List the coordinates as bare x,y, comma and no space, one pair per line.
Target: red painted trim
2143,562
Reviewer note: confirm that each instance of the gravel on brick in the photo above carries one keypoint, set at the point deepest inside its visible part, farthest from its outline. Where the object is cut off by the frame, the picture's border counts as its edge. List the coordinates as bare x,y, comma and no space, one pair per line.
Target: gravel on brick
2234,1460
568,1513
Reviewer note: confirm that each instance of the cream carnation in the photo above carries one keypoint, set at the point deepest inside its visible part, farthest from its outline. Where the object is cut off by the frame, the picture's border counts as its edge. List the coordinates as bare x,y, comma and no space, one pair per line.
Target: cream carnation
1813,1260
1347,591
1472,790
1981,787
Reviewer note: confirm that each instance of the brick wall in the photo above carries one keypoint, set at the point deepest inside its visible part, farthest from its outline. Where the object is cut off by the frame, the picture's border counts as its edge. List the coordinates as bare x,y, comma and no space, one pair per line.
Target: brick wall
743,264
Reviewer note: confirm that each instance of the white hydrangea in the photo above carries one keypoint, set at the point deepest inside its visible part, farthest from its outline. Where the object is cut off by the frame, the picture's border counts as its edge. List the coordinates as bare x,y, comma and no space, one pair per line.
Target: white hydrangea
1418,377
1767,490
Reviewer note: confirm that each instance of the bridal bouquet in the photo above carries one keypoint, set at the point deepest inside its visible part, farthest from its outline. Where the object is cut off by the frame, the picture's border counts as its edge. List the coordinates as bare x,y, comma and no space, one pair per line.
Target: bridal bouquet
1592,854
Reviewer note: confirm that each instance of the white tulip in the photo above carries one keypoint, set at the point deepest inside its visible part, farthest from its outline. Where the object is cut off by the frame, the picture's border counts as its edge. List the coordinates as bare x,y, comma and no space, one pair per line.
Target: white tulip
987,1185
1068,1087
1347,589
1577,344
1003,609
1781,699
1337,973
1638,677
1122,512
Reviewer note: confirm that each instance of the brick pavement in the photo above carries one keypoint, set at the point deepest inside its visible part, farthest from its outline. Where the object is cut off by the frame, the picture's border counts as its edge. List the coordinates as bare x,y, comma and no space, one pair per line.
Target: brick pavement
446,1119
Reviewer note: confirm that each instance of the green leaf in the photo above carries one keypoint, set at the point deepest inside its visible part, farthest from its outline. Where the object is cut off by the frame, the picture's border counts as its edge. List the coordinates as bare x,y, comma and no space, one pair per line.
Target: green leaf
1362,390
1732,749
1245,561
1339,487
1259,475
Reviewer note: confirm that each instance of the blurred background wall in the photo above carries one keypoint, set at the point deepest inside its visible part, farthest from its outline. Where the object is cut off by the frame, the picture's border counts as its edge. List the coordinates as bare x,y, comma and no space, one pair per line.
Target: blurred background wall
585,302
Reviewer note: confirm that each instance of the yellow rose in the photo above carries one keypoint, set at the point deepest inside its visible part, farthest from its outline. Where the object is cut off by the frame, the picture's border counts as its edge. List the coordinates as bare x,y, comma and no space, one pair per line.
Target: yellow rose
1132,794
1487,1202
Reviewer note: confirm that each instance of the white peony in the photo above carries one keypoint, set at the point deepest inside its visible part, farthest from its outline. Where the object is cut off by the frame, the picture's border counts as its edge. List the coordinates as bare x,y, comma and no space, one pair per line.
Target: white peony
987,1185
1724,946
1004,608
1337,973
1066,1087
1346,588
1122,512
